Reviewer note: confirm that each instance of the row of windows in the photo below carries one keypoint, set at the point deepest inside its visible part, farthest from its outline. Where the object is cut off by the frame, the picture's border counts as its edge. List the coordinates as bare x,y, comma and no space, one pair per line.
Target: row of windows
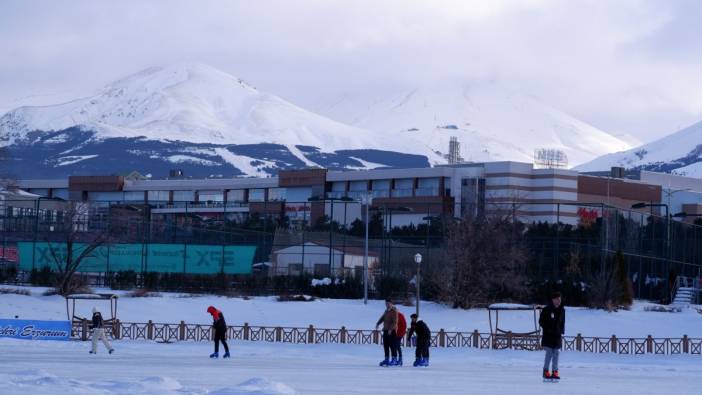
384,185
234,195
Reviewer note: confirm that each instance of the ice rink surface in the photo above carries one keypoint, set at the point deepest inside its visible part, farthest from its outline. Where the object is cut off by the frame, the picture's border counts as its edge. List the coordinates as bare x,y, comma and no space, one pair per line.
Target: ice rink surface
142,367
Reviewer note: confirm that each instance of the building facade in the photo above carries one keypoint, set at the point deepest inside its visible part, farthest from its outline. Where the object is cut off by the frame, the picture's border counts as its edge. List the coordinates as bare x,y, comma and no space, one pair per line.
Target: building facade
411,195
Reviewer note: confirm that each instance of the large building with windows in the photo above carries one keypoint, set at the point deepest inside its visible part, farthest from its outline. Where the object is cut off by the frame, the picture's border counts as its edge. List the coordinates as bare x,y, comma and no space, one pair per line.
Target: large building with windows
411,195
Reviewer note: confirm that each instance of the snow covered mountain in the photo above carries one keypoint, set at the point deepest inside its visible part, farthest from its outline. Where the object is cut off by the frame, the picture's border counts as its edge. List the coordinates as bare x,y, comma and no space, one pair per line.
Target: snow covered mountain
680,153
490,122
193,117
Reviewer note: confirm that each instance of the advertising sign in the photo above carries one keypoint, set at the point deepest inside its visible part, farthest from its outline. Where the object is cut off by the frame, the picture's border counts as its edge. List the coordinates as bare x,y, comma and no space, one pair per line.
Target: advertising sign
162,258
35,330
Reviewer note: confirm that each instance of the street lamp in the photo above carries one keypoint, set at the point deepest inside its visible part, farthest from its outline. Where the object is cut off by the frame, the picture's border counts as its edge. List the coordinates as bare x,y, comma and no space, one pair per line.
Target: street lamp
418,260
667,233
367,200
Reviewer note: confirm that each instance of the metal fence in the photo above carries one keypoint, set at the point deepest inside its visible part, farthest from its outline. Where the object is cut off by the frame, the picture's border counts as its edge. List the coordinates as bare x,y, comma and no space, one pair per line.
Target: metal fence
179,332
652,245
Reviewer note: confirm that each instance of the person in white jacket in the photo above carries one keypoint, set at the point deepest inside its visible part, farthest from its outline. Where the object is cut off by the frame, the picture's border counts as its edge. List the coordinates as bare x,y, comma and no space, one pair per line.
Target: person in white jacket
99,333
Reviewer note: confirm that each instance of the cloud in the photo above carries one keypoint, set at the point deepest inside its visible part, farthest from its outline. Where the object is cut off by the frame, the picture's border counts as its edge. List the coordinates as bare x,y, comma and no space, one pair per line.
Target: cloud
630,66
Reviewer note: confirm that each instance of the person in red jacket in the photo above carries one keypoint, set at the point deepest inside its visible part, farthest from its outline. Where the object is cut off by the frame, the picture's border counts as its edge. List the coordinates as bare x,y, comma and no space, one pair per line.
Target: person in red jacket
220,329
401,331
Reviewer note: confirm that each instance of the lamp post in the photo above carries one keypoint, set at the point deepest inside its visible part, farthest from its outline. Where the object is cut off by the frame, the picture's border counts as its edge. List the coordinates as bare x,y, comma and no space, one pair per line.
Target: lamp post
367,200
418,260
667,234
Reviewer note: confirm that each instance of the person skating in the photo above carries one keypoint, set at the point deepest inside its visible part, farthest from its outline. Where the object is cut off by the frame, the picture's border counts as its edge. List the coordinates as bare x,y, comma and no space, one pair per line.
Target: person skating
421,330
220,330
99,333
400,335
552,322
389,321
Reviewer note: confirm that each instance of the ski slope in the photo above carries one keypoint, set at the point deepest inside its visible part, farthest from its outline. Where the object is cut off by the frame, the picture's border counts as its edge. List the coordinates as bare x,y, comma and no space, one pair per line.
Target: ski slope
52,367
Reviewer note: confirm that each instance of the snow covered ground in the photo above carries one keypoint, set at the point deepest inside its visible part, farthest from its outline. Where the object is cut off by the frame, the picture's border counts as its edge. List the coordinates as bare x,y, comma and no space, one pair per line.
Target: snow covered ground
143,367
52,367
353,314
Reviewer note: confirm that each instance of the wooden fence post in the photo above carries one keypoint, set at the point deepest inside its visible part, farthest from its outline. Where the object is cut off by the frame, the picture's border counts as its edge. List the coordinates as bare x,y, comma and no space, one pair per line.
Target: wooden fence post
181,331
613,344
376,337
579,342
476,339
84,330
278,334
649,344
342,335
310,335
442,338
117,329
246,331
686,346
509,340
150,330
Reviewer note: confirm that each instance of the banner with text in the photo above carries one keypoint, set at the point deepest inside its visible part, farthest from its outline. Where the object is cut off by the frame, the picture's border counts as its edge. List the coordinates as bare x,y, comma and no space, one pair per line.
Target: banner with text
35,330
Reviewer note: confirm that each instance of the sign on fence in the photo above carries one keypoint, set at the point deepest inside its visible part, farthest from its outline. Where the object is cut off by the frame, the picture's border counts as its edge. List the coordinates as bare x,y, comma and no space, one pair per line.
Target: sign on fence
35,330
149,257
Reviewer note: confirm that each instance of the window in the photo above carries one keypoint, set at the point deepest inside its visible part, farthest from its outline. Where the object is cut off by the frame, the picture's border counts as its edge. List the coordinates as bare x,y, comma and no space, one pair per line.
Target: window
183,196
210,196
358,186
257,195
159,196
236,195
134,196
276,194
338,186
106,196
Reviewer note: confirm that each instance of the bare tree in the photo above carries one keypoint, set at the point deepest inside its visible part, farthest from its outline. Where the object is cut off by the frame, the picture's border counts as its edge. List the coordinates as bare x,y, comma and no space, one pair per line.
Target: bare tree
486,260
611,287
70,240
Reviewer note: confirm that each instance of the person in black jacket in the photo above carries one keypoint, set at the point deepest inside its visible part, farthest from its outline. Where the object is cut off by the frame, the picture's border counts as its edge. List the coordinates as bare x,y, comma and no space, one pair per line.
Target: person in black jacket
552,322
423,333
220,329
99,333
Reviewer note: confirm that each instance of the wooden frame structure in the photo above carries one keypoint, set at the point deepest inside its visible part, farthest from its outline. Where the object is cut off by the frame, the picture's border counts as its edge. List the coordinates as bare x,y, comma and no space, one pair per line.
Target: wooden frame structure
506,339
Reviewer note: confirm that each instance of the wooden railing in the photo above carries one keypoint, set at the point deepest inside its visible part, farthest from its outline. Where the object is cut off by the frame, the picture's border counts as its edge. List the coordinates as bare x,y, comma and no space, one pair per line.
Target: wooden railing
164,332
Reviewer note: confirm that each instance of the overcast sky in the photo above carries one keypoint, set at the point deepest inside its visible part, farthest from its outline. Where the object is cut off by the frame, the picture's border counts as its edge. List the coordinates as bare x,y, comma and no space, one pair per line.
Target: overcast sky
625,66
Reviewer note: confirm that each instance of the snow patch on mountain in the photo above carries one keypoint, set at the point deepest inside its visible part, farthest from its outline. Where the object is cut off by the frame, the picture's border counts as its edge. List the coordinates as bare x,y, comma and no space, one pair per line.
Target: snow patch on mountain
490,121
252,167
679,152
69,160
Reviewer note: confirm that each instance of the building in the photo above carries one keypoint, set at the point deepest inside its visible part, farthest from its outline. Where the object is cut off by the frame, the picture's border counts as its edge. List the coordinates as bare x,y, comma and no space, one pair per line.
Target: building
403,195
313,258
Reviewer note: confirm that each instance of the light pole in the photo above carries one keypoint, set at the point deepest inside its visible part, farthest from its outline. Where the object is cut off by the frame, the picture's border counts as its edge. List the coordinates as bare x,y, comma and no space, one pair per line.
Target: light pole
367,200
418,260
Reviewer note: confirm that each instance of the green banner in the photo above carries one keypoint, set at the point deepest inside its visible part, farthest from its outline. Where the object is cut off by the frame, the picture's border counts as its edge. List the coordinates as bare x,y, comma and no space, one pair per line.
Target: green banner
162,258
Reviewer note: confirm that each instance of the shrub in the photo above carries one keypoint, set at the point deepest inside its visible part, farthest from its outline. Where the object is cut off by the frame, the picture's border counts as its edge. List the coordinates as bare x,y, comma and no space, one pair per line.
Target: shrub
15,291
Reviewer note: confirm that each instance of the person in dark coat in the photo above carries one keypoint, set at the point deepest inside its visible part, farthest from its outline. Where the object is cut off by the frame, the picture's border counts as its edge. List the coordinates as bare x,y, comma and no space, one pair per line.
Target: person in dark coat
552,322
421,352
220,330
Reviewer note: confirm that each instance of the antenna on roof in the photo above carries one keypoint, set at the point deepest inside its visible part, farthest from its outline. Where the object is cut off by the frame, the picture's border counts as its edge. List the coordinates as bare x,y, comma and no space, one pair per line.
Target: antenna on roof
454,155
550,158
